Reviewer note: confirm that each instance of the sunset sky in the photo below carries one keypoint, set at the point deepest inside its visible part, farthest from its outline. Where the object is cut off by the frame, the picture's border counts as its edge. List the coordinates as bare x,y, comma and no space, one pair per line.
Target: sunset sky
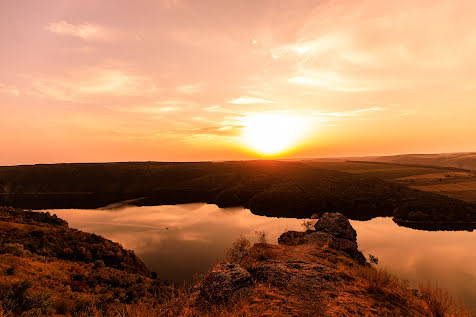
117,80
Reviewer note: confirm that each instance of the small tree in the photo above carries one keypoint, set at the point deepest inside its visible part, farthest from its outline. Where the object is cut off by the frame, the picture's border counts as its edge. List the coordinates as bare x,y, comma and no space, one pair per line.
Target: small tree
239,250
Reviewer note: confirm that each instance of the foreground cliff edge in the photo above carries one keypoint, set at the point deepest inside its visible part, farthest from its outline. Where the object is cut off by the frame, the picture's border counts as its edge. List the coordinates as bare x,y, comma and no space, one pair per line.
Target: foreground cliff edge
319,272
47,268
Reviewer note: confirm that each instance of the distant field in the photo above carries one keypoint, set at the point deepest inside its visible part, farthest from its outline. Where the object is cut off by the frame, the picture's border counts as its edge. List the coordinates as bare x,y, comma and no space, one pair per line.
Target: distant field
451,183
459,160
436,176
379,170
463,186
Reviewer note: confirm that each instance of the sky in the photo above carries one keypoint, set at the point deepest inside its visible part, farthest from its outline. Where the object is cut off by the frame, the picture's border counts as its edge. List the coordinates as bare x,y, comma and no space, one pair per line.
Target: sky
178,80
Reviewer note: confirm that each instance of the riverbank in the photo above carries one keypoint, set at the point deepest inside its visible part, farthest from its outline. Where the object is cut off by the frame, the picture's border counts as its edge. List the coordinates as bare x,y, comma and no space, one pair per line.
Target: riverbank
319,272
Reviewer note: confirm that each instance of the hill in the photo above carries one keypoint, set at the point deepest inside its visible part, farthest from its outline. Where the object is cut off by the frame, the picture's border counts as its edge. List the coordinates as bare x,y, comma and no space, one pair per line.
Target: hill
48,268
458,160
272,188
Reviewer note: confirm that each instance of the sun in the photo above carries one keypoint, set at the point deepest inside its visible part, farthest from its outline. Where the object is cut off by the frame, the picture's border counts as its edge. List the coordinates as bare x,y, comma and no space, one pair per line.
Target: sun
272,134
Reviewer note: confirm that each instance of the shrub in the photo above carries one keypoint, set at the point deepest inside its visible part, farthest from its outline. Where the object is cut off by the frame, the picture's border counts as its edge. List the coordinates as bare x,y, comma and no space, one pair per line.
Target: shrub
261,237
239,250
261,252
13,248
308,224
373,259
378,279
440,303
11,270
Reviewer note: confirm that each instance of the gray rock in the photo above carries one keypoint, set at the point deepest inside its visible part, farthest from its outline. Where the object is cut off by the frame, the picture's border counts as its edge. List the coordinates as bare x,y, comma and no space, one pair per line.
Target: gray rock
337,225
224,281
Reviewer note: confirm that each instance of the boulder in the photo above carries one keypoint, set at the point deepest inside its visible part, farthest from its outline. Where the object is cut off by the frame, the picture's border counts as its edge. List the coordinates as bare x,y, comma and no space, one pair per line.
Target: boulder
336,225
223,282
292,238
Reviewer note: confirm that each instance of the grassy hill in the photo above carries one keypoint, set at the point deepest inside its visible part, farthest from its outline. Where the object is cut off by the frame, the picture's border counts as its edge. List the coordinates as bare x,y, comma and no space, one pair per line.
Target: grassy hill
47,268
458,160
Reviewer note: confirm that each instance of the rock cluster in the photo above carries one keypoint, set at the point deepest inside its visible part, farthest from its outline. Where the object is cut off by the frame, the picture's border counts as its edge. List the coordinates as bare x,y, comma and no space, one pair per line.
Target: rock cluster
332,226
336,225
224,281
227,280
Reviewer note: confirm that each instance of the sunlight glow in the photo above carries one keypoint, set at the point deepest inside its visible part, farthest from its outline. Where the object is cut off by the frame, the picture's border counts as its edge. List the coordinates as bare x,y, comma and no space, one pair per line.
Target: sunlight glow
271,134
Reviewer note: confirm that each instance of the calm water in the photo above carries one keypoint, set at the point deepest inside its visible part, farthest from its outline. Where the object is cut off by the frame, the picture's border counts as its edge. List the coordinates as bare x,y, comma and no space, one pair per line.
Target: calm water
181,241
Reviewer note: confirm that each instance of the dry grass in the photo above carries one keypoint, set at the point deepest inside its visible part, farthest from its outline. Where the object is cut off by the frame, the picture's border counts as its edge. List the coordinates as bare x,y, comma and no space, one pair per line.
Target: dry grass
239,251
441,303
379,280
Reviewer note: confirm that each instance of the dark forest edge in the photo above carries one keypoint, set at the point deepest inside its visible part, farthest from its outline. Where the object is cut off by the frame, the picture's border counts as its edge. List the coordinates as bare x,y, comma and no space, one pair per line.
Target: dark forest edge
270,188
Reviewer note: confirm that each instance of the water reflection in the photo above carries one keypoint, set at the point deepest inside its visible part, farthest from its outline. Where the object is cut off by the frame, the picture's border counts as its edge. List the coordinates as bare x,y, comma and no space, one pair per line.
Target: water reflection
177,241
181,241
446,257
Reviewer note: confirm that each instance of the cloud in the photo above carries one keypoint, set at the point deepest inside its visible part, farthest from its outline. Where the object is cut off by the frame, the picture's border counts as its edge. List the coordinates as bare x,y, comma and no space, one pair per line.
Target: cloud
218,109
351,113
330,81
158,107
145,109
6,89
228,131
85,31
249,100
190,89
96,81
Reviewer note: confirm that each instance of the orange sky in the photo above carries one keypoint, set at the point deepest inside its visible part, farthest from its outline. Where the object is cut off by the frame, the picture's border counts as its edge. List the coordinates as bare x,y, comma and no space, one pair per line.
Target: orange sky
120,80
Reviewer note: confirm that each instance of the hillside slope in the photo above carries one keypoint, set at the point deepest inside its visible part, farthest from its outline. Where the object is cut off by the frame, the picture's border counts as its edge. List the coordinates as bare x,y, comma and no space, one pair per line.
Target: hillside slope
458,160
48,268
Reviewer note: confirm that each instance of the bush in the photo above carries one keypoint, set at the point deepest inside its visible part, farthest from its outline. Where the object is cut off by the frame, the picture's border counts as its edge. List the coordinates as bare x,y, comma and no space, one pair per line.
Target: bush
308,224
378,279
11,270
239,251
13,248
440,303
262,252
261,237
373,259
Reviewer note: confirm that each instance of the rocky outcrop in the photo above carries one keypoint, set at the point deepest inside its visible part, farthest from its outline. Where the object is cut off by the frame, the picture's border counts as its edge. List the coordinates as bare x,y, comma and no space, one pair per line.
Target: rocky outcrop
336,225
292,238
333,227
223,282
312,273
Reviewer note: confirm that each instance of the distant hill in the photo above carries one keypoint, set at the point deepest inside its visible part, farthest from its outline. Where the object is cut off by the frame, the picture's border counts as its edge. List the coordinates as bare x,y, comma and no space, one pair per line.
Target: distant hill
459,160
271,188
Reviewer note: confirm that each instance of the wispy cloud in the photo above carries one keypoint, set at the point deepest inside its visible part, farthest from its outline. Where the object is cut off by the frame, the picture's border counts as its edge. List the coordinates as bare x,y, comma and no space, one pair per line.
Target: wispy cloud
249,100
351,113
218,109
85,31
159,107
228,131
330,81
7,89
95,81
190,89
